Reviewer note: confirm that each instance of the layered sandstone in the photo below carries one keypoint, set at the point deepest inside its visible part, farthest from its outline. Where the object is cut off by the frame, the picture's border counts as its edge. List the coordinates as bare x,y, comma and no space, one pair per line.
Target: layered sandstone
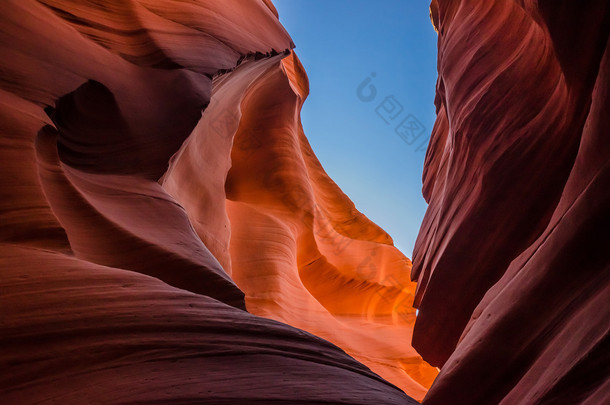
291,240
512,257
161,203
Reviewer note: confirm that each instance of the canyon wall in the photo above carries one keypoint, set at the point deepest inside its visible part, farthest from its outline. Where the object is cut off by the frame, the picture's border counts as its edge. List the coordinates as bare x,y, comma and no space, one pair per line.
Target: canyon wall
167,234
512,259
290,239
162,210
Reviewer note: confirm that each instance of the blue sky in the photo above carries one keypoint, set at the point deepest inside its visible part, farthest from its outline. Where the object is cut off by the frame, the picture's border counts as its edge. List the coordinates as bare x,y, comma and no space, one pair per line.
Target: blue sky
357,134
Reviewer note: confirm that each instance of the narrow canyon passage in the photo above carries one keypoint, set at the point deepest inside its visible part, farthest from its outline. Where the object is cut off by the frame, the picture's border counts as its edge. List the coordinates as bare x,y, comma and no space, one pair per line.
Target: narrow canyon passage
168,235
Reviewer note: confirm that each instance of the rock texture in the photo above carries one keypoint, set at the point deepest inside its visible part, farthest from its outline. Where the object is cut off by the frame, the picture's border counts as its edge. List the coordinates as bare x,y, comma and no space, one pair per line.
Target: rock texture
292,241
156,185
512,258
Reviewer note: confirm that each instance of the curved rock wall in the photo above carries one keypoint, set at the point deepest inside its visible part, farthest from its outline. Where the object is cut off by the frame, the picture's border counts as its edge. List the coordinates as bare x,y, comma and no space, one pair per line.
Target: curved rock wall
511,260
156,184
298,248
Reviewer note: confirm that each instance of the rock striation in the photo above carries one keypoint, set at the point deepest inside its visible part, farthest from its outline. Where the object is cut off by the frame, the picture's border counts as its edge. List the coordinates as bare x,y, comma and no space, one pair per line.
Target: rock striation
512,259
291,240
167,234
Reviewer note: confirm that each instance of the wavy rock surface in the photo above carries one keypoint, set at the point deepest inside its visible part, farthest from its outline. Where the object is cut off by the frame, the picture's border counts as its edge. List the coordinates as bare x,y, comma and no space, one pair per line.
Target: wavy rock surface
294,243
512,257
126,282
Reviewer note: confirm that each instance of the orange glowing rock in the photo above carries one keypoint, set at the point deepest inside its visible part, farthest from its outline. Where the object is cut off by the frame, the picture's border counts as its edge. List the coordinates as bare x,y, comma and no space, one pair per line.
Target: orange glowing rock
156,184
299,249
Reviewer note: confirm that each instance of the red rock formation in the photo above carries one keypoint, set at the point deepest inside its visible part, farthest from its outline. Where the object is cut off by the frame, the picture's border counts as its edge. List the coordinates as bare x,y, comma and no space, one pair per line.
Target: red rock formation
299,249
119,276
75,332
511,261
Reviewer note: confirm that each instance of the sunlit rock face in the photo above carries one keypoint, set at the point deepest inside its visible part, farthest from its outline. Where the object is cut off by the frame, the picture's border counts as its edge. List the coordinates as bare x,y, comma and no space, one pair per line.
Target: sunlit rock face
290,239
162,210
512,257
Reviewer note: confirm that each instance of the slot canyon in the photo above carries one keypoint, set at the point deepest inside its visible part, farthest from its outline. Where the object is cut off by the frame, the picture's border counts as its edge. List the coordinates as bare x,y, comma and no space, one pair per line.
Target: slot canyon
168,235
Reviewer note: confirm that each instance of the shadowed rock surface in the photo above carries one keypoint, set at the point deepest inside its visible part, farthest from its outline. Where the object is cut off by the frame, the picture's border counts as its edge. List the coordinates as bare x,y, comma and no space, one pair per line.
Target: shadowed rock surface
512,258
160,203
167,234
